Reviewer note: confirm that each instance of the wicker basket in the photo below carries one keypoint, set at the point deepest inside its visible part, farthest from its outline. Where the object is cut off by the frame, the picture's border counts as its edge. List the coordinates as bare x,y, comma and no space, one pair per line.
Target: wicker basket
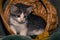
48,13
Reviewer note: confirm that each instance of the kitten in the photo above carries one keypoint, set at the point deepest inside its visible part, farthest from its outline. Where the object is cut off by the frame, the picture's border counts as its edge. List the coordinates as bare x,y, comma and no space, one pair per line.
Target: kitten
18,15
23,22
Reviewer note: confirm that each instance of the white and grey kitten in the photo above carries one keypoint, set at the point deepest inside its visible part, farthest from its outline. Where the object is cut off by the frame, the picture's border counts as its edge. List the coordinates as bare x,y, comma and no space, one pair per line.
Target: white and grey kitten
23,22
18,15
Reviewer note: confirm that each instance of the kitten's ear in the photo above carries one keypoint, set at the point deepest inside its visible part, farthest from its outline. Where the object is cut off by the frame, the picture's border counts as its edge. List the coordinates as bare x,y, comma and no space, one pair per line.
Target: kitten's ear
29,9
13,8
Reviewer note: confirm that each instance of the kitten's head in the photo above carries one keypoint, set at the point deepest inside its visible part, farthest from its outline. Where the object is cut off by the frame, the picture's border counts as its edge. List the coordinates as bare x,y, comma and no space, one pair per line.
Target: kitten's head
20,12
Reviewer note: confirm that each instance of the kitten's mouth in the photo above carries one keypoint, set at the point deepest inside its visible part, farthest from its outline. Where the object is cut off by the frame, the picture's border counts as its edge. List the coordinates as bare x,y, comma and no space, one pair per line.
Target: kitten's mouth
21,22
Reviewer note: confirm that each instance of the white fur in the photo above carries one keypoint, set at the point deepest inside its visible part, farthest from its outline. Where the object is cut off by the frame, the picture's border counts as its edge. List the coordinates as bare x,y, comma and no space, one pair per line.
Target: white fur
16,27
36,32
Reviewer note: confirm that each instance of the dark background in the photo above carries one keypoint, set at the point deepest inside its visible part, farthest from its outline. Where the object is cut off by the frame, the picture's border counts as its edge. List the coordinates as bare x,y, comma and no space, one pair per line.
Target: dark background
56,3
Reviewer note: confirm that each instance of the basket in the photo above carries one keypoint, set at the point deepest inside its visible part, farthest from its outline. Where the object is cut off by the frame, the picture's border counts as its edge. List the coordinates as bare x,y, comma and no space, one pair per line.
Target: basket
45,10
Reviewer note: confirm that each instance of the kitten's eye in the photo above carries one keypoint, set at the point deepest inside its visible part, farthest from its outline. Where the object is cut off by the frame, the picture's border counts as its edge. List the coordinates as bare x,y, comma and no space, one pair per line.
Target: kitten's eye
24,16
18,16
